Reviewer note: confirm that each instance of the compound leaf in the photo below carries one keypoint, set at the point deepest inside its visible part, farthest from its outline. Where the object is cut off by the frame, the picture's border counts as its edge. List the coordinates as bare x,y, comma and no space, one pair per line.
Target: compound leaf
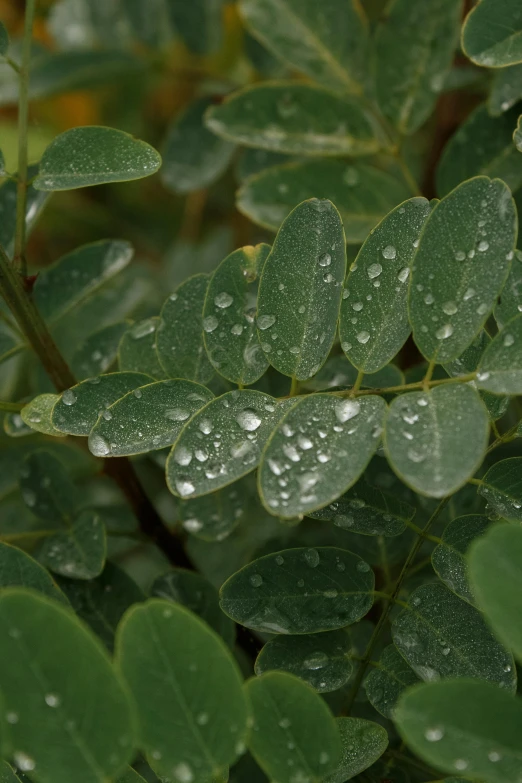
300,591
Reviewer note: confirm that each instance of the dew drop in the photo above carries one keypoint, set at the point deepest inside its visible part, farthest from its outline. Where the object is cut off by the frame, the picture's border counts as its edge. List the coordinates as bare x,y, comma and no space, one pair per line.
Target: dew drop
389,252
265,321
450,308
363,337
404,274
325,259
185,487
248,420
23,761
312,557
210,323
223,300
374,270
347,409
52,700
98,445
256,580
444,332
508,340
434,734
69,397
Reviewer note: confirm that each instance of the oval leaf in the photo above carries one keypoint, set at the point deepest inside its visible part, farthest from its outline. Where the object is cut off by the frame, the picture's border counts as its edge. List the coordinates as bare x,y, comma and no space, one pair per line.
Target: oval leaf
93,155
179,336
322,660
436,440
230,334
18,569
488,42
510,304
449,558
387,681
187,687
137,349
296,118
78,552
502,488
293,592
461,265
47,489
363,742
500,368
213,517
291,724
38,414
440,636
300,289
374,312
319,449
148,418
44,690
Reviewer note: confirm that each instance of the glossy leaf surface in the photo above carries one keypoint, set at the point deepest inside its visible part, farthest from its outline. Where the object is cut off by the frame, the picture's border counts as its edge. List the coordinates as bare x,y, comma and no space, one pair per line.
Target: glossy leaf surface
137,349
500,368
449,558
37,414
502,488
363,742
490,43
18,569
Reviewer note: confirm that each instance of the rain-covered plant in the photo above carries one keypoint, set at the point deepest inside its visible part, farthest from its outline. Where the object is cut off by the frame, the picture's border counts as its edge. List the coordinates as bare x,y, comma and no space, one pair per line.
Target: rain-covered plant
307,399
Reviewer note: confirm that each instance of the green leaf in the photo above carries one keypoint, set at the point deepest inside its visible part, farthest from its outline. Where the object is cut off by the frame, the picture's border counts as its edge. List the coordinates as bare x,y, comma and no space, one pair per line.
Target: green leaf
213,517
367,510
461,266
449,558
322,660
4,39
300,289
436,440
37,414
199,23
385,683
15,427
193,157
495,566
374,312
339,372
229,311
78,408
492,43
440,636
296,118
414,47
137,350
328,43
517,135
502,488
187,687
510,303
78,552
506,89
6,774
291,724
464,726
36,201
361,193
63,286
46,487
102,602
363,742
179,336
44,693
18,569
482,145
99,351
319,449
193,591
147,418
300,591
94,155
500,368
130,776
201,462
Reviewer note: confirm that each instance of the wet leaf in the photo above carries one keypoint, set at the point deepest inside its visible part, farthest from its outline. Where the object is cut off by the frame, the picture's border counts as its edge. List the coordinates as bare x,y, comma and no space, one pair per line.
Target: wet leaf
441,636
322,660
502,488
461,266
229,312
36,201
510,303
193,157
300,591
361,193
490,43
201,462
482,145
44,687
318,450
374,312
78,408
93,155
299,119
367,510
18,569
300,289
517,135
291,723
500,368
98,352
130,776
414,48
436,440
464,726
6,773
449,559
78,552
46,488
193,591
506,89
62,286
101,602
179,335
363,742
328,43
37,414
192,715
148,418
137,349
386,682
339,372
213,517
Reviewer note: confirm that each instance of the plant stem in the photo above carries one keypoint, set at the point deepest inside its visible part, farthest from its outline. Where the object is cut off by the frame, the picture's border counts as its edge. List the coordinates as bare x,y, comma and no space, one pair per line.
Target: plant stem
294,388
420,532
23,115
357,384
417,385
11,407
412,554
